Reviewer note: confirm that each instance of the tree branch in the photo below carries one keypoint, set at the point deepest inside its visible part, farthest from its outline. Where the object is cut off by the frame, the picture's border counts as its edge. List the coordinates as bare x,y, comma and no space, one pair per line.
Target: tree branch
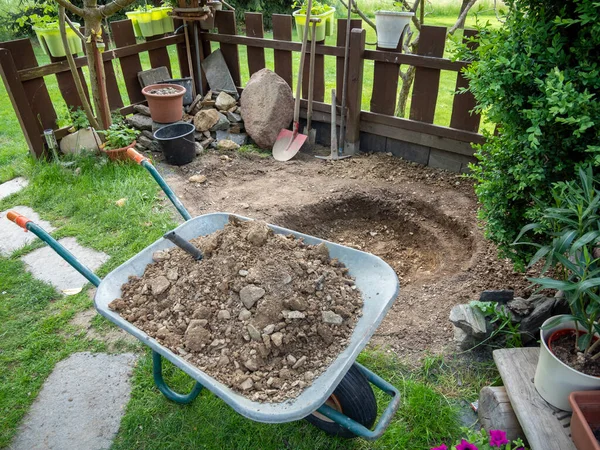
71,7
113,7
360,13
462,17
73,27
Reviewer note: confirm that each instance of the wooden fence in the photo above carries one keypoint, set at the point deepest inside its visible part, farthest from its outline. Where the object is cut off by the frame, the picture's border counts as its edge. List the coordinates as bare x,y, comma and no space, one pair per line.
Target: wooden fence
375,129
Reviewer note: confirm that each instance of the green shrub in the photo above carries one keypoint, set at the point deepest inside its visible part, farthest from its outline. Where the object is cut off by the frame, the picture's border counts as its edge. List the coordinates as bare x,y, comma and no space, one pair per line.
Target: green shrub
266,7
537,78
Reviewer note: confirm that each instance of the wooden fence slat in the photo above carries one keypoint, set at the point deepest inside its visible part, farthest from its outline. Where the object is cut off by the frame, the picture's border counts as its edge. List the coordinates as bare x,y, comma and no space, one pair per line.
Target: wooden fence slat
66,85
184,69
427,81
225,22
20,102
339,61
254,28
159,57
130,65
318,73
37,93
282,30
115,101
385,84
463,103
355,83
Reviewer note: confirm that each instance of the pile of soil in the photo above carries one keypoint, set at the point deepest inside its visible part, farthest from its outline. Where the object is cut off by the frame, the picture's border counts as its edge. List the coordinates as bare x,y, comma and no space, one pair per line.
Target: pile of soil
565,350
263,313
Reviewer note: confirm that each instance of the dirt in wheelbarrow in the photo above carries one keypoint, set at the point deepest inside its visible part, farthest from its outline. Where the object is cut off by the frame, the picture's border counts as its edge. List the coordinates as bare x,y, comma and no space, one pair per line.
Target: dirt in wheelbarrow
264,314
420,220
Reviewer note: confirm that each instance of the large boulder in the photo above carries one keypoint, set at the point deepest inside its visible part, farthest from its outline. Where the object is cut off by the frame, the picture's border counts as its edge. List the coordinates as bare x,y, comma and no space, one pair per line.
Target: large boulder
267,107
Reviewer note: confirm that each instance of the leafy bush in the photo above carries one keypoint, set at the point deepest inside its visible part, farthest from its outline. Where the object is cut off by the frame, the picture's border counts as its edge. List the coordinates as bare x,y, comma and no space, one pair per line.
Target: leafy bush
537,78
267,7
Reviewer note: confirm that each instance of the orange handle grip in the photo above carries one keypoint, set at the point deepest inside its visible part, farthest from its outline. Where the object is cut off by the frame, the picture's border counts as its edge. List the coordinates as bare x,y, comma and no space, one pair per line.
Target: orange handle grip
18,219
136,156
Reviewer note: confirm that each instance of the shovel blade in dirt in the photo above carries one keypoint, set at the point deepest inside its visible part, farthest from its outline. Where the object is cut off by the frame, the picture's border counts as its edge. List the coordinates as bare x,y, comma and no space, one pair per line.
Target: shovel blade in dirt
287,145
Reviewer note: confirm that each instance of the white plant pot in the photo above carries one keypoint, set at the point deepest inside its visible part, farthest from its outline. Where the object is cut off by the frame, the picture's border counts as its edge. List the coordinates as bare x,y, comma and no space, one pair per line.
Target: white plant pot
390,26
554,380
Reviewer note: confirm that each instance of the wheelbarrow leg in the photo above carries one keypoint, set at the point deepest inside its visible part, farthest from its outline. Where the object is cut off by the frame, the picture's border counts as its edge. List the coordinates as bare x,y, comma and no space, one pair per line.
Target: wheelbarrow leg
166,390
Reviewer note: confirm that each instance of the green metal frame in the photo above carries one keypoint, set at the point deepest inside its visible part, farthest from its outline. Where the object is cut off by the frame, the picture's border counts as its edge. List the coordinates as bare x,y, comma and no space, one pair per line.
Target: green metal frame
336,416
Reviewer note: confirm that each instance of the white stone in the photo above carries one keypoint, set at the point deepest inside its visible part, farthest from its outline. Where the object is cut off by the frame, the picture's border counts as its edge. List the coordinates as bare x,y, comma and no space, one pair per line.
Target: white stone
331,317
10,187
12,236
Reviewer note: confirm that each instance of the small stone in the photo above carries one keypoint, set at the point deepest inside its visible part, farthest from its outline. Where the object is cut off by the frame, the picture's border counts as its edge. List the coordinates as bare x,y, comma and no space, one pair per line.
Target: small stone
331,317
258,234
140,122
227,145
470,320
173,274
206,119
247,384
223,315
233,117
197,179
160,285
325,333
225,101
253,332
321,250
293,314
285,374
269,329
250,294
498,296
291,360
296,304
223,361
300,362
196,336
277,339
251,364
243,273
221,124
244,314
141,109
198,147
309,376
121,202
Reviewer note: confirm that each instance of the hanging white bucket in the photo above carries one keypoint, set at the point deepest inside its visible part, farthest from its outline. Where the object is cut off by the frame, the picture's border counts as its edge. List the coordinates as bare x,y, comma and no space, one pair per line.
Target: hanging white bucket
390,26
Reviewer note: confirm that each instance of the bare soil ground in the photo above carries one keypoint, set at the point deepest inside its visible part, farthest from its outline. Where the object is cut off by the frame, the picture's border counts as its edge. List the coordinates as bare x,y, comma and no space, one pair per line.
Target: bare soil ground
422,221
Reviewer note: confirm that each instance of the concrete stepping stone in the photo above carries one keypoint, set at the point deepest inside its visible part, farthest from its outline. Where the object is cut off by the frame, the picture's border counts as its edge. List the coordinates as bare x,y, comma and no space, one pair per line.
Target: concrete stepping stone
12,186
80,405
12,236
46,265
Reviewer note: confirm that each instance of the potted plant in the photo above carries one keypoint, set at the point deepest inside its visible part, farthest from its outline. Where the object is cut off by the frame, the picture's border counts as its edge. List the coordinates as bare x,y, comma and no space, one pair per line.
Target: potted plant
391,25
585,421
151,21
570,349
117,139
165,102
318,10
81,135
48,34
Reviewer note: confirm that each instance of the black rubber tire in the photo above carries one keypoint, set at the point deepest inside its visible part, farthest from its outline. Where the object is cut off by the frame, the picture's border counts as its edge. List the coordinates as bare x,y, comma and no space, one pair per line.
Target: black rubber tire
356,400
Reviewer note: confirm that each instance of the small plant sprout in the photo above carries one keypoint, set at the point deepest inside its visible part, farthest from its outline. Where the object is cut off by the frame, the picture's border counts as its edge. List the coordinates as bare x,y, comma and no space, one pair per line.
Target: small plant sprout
118,136
317,8
571,232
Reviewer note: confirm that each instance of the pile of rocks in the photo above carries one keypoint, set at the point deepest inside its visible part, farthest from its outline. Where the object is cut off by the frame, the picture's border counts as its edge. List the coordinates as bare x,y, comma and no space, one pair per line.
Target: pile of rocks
217,118
472,327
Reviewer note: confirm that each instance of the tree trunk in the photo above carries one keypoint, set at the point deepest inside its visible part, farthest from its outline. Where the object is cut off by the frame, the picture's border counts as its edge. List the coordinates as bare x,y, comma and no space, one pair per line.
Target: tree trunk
461,18
407,81
93,26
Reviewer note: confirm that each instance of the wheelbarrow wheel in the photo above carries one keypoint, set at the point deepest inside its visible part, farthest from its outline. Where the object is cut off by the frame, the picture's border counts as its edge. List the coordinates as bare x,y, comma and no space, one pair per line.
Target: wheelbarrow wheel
354,398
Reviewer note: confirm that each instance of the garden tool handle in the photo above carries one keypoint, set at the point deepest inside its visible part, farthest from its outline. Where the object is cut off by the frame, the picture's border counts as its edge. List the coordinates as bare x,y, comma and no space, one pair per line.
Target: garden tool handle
136,156
301,67
183,245
19,219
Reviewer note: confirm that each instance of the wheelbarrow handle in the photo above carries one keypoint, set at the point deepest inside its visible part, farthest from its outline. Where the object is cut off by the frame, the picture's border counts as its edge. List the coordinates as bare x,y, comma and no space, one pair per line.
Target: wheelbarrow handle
65,254
384,420
145,162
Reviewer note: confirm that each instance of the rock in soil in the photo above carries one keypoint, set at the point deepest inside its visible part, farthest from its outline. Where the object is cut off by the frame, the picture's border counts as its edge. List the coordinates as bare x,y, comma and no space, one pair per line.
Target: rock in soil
240,329
206,119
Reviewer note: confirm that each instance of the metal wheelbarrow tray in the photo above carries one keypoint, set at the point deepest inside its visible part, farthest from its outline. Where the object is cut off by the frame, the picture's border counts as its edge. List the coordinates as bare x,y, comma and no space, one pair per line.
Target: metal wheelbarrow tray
376,280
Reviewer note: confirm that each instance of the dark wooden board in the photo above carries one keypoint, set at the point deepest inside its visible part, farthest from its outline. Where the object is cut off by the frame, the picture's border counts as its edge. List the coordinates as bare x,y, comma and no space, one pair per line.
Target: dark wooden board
463,103
355,83
339,61
36,91
254,28
115,100
66,85
540,421
130,65
282,30
427,81
225,22
159,57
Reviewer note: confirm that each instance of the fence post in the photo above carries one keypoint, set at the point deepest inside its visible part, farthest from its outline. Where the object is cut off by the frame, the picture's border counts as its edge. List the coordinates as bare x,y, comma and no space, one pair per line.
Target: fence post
355,87
20,103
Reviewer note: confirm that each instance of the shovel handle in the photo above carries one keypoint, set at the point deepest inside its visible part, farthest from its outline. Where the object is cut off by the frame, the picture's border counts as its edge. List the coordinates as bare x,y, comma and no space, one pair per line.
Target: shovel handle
136,156
19,219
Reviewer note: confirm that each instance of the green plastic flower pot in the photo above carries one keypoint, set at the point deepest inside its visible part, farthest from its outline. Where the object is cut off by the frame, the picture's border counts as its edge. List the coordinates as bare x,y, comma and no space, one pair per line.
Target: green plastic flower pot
133,16
157,21
167,20
330,22
321,26
50,34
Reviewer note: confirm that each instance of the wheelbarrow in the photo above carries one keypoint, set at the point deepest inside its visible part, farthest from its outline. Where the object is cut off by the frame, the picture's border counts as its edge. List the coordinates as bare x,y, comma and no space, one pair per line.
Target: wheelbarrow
340,401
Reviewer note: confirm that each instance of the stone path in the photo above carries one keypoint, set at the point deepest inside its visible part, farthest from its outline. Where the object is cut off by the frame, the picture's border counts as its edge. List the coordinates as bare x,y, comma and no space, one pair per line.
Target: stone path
81,403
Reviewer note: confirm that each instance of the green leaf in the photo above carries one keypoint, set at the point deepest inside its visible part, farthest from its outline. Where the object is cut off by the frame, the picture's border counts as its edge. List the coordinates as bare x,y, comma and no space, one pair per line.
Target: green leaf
549,283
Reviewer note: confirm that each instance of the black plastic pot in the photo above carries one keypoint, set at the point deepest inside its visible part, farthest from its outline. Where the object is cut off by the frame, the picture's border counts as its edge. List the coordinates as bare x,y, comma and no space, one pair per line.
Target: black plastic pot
188,97
177,142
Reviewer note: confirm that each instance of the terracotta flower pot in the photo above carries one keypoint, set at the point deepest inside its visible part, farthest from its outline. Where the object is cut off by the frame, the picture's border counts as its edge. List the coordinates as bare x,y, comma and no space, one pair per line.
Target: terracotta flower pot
586,417
165,108
119,154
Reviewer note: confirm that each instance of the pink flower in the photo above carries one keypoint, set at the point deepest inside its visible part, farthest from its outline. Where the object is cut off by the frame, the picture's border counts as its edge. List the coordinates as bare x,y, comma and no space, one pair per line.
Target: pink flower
498,438
464,445
440,447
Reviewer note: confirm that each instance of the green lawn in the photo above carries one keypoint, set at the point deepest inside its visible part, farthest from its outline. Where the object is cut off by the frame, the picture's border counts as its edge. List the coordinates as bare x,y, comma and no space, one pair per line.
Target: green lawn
35,333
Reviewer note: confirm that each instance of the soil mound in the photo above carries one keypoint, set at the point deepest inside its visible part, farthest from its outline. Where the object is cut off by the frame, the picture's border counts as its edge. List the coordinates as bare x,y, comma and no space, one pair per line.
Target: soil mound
262,313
